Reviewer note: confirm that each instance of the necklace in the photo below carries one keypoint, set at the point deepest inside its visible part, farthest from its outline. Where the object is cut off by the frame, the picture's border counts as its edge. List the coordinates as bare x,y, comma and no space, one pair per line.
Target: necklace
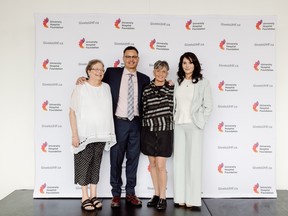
187,83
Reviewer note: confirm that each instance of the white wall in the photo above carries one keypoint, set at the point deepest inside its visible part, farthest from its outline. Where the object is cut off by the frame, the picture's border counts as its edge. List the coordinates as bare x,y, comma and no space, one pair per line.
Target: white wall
17,70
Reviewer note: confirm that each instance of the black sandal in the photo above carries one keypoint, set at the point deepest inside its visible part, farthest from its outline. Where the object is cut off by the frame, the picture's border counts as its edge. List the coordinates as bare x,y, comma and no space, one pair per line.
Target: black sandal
96,203
87,203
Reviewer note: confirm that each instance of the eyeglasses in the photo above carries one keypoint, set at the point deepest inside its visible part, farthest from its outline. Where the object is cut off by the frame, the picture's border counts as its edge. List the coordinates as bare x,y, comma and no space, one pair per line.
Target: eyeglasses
97,70
131,57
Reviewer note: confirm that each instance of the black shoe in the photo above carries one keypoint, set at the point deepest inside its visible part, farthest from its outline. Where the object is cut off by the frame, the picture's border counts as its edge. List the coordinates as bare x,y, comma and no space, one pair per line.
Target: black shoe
161,204
153,201
196,208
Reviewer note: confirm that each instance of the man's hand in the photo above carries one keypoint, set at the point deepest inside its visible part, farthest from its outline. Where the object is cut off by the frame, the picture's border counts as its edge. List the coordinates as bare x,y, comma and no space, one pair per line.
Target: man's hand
171,83
81,80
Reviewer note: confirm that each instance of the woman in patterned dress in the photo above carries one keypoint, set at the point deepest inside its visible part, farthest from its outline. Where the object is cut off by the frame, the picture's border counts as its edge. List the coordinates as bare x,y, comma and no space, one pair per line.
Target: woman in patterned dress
157,131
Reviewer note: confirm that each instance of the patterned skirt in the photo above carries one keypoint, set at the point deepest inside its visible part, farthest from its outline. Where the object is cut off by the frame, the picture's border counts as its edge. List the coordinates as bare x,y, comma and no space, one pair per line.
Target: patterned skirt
87,164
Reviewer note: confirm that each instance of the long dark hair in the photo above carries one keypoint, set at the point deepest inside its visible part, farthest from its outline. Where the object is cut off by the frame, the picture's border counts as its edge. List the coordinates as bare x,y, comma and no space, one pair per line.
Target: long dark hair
196,75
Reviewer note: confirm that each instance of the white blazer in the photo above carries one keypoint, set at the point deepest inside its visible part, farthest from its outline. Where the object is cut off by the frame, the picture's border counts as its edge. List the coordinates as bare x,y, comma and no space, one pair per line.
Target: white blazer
202,104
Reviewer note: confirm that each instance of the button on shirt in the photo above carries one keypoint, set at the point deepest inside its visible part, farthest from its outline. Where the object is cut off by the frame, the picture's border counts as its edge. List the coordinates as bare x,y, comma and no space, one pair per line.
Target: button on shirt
122,107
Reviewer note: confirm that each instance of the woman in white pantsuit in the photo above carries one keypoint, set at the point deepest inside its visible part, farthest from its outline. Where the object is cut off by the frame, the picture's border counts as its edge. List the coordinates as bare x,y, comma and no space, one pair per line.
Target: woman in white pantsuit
192,107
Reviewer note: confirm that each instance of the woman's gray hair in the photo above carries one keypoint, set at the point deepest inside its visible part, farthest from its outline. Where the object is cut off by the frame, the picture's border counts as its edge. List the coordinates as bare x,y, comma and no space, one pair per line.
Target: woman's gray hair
160,64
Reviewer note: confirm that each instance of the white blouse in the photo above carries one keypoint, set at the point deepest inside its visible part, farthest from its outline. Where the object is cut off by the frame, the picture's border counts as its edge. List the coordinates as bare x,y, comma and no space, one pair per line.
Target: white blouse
184,96
94,115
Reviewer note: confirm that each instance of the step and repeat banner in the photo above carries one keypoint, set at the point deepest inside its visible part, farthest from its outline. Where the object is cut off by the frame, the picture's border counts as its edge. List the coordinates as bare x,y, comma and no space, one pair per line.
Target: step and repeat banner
237,54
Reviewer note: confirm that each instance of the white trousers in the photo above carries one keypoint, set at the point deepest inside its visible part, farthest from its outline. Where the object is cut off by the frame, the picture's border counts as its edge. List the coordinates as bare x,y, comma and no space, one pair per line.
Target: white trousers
187,164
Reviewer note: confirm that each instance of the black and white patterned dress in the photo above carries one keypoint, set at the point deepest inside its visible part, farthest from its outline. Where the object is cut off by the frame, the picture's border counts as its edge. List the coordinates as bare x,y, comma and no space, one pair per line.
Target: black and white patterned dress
157,120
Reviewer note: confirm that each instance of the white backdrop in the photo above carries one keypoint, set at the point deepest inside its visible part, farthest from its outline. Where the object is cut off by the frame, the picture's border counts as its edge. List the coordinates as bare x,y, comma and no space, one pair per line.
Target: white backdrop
238,57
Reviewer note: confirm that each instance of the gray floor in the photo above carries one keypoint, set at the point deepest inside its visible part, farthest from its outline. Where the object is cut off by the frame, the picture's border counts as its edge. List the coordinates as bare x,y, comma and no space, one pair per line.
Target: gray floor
21,202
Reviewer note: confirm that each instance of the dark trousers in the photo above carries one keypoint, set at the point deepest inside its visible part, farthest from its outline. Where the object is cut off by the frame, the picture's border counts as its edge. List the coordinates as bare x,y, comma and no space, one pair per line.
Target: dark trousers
128,142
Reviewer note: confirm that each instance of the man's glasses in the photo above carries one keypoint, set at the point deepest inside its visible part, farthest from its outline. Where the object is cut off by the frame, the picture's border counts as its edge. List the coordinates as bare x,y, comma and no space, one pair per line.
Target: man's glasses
131,57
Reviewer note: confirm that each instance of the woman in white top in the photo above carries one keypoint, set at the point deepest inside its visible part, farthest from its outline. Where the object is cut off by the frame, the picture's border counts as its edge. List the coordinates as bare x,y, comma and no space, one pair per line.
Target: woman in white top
91,120
192,107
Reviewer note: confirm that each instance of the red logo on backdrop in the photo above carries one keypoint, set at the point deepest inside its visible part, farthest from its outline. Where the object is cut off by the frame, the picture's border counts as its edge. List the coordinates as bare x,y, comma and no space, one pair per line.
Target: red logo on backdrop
45,22
188,24
220,126
81,43
44,105
255,188
42,188
44,64
222,43
220,85
258,25
255,106
116,63
152,42
43,146
255,146
220,167
256,65
116,23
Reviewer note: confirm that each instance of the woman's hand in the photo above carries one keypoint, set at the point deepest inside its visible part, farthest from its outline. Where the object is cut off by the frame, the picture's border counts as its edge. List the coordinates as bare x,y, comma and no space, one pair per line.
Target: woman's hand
75,141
